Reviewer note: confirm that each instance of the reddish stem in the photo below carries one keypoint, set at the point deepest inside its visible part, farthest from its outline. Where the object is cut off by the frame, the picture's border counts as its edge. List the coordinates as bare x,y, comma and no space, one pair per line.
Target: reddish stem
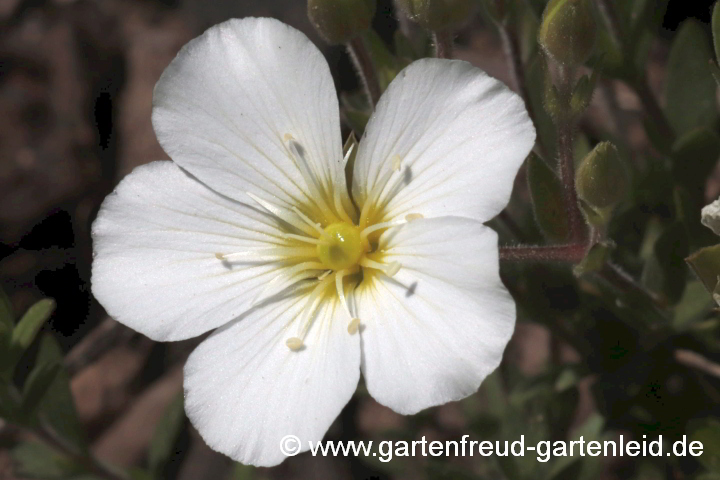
572,253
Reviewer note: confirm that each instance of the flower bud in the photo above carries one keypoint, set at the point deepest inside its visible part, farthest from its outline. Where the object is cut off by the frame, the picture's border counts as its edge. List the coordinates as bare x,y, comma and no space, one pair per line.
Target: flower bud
567,32
338,21
438,15
601,180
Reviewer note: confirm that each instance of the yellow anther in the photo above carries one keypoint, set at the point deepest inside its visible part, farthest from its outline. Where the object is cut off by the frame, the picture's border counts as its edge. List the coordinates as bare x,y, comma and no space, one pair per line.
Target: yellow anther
294,343
396,162
392,269
354,326
413,216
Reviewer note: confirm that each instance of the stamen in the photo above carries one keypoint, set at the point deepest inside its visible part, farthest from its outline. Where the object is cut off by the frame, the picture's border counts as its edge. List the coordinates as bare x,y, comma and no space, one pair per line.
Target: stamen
341,295
354,326
268,254
325,274
313,299
311,177
279,213
380,226
413,216
301,238
390,270
315,226
288,277
379,187
294,343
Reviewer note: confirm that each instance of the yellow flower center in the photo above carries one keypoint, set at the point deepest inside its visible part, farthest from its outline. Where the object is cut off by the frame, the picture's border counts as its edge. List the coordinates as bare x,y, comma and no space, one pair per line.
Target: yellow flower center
342,247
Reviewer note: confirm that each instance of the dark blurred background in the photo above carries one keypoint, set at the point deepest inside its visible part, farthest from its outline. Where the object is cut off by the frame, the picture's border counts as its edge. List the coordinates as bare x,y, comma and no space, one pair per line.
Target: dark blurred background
76,81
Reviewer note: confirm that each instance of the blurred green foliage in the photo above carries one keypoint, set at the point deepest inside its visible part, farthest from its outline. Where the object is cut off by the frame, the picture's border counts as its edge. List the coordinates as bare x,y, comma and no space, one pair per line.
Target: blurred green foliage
642,292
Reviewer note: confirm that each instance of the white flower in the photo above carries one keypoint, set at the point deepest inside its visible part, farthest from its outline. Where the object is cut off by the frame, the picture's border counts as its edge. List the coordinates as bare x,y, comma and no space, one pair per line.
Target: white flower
711,216
251,229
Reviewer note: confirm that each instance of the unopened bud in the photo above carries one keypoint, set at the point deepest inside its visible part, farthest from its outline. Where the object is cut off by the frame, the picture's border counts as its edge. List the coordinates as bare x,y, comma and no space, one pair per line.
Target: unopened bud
567,32
601,181
339,21
438,15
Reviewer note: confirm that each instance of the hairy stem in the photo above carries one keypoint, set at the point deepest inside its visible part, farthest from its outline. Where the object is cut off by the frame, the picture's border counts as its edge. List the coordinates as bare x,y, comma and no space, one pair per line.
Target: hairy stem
566,161
571,253
365,69
48,436
443,44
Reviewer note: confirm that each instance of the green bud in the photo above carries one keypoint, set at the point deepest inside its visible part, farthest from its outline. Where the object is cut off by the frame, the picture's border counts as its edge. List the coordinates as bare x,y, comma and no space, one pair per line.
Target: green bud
338,21
600,180
567,32
438,15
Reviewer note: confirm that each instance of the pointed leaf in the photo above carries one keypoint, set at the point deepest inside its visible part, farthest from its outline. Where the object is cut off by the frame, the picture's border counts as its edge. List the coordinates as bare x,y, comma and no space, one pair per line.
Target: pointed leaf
36,386
29,325
57,408
690,88
547,199
706,265
166,434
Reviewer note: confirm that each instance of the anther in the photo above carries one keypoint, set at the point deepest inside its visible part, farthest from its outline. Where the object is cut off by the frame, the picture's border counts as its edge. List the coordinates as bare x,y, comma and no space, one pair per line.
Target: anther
392,269
396,162
220,256
413,216
353,326
294,343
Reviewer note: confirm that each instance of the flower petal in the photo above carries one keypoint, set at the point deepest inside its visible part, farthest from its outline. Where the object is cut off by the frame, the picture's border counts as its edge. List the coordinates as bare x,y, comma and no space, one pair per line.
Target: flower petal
224,107
458,135
435,330
711,216
155,241
245,389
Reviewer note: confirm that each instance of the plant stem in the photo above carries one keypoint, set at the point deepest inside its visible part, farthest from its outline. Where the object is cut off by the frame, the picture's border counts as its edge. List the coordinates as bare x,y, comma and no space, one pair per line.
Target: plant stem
96,467
365,69
443,44
639,85
566,161
508,38
571,253
652,108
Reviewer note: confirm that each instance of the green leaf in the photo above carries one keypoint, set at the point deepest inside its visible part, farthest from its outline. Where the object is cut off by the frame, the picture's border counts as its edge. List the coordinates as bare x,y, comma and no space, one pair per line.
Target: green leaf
386,65
9,402
595,258
707,432
36,386
535,82
36,460
28,327
693,306
355,111
547,199
6,311
57,408
7,322
166,434
690,88
716,29
665,271
706,265
243,472
583,93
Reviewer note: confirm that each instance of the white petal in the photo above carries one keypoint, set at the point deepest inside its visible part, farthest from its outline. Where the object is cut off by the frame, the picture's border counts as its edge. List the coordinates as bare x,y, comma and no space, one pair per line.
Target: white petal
155,241
711,216
225,105
245,389
459,135
435,330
